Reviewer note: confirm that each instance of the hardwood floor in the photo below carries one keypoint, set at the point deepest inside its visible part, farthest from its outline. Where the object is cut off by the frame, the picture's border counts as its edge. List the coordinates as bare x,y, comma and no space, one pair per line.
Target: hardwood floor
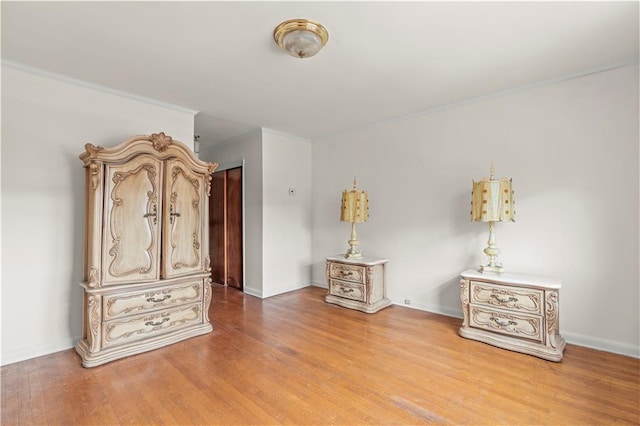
293,359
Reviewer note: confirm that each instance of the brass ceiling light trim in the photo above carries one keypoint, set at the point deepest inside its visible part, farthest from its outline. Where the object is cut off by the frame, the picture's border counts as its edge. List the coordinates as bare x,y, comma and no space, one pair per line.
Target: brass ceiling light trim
301,38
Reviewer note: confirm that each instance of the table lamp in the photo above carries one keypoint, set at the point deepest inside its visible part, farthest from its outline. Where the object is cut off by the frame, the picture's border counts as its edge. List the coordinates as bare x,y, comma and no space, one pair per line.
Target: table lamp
492,201
354,209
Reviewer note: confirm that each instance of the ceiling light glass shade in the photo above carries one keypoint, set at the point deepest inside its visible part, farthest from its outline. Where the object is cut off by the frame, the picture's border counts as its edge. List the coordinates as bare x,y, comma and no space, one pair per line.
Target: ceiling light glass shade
301,38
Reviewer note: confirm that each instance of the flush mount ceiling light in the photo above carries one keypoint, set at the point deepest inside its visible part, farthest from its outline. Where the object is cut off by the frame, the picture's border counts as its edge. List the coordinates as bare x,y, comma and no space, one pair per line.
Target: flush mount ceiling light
301,38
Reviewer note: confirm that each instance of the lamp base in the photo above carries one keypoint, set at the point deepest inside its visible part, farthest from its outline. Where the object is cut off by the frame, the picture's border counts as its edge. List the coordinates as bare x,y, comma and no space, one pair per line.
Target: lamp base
353,252
350,255
492,251
498,269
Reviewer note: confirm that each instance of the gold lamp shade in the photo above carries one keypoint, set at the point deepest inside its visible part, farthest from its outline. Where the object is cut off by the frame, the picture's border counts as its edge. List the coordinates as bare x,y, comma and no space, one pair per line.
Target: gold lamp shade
492,201
355,206
354,209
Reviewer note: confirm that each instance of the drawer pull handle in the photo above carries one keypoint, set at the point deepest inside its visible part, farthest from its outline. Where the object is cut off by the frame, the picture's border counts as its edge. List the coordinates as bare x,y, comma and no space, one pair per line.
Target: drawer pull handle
172,214
346,290
503,322
346,274
162,299
503,299
154,215
157,323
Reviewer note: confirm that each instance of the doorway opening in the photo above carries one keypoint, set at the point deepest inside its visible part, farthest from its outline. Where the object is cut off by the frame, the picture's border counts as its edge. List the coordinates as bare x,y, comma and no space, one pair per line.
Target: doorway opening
226,227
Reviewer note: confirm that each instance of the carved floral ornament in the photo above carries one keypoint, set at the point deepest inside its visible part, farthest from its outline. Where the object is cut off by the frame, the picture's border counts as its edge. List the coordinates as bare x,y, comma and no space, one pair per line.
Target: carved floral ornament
94,309
161,141
207,297
208,180
94,277
92,149
95,168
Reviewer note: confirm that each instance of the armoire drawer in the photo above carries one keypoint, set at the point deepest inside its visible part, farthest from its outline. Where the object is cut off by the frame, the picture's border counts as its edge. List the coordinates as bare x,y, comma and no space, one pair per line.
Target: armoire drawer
526,300
348,290
347,272
129,329
138,302
509,323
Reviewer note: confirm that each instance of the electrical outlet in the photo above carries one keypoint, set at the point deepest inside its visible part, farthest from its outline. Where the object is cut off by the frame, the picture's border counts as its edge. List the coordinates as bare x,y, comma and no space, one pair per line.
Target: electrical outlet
407,301
292,191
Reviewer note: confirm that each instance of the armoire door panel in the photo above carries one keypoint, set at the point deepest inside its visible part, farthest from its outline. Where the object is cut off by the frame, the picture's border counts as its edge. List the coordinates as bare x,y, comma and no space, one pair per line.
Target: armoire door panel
182,248
132,222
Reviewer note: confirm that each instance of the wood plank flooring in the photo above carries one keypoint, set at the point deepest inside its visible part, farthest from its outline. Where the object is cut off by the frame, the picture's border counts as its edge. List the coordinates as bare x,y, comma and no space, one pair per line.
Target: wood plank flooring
293,359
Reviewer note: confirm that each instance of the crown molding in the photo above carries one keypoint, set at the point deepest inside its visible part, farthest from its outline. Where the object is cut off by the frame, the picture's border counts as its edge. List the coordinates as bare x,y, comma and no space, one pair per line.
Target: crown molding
81,83
478,99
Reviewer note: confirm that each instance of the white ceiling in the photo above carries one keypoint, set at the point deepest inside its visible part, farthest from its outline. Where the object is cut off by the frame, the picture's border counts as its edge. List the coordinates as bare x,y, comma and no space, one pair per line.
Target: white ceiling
384,60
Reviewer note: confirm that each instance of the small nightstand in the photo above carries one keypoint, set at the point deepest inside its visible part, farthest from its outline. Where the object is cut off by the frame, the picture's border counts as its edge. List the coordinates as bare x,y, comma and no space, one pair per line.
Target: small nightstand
356,283
513,311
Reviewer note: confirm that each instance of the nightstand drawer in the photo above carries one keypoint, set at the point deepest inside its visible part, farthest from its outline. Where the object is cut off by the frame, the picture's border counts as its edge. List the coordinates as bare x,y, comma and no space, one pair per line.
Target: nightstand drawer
509,323
347,290
347,272
507,297
513,311
356,283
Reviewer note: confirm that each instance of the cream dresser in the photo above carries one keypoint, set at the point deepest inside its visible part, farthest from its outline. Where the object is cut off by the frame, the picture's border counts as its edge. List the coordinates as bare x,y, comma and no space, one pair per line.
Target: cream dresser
356,283
512,311
146,265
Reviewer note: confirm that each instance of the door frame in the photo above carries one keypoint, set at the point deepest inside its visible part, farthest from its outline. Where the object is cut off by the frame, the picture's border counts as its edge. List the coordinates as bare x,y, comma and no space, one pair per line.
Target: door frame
233,165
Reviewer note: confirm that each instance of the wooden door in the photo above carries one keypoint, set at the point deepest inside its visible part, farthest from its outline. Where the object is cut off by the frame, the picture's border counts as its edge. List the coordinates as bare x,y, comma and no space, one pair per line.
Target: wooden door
131,243
225,228
234,228
217,227
183,220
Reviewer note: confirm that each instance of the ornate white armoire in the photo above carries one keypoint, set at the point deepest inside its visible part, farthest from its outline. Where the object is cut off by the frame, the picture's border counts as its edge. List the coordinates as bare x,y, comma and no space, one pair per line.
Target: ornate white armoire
147,277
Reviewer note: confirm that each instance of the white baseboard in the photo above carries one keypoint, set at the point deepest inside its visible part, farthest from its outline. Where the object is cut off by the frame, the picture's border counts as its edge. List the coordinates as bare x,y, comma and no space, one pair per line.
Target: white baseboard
601,344
572,338
456,313
283,290
252,292
24,354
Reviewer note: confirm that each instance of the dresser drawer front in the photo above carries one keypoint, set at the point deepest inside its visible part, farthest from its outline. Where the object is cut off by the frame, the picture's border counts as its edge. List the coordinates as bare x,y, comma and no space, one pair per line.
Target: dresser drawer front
352,273
130,329
123,304
507,297
505,322
347,290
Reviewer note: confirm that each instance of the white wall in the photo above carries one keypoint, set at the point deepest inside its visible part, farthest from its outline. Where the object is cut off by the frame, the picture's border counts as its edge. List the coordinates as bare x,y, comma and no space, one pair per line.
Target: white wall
247,147
287,218
46,121
571,148
278,226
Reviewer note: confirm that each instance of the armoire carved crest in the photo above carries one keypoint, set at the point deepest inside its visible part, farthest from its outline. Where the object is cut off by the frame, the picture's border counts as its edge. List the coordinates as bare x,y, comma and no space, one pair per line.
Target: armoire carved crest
147,280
